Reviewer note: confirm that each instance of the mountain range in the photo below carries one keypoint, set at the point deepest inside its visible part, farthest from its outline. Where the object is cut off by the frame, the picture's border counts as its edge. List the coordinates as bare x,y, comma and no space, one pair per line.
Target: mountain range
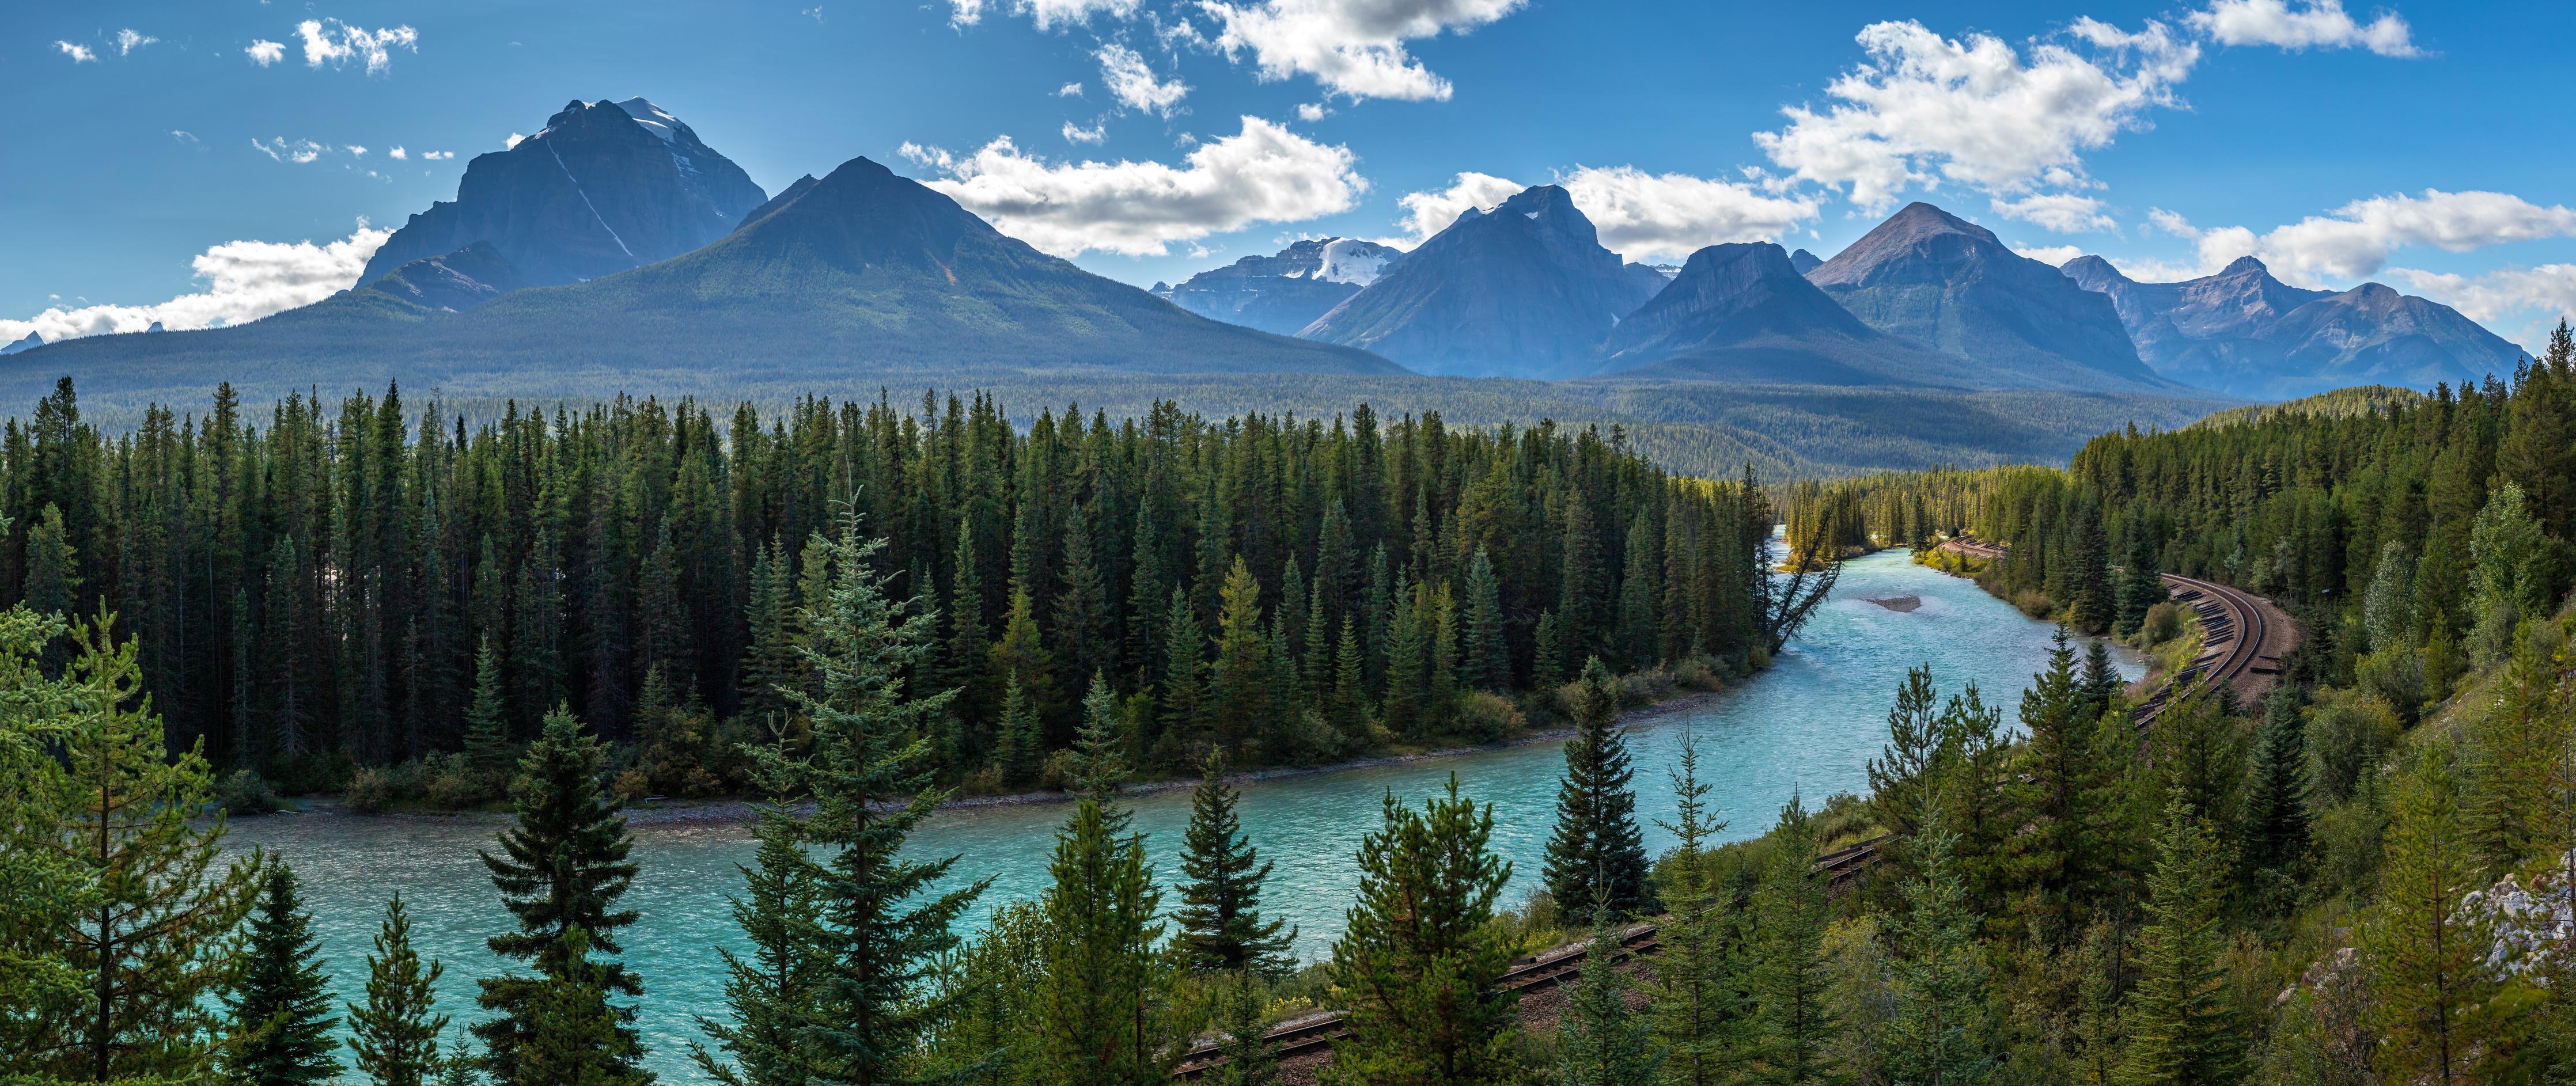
615,244
2245,333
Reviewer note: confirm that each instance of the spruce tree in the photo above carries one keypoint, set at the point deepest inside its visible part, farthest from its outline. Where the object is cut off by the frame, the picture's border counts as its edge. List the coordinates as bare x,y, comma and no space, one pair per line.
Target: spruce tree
1939,1035
1184,646
1419,959
1240,685
2182,1029
878,927
572,1035
279,999
1698,1011
1791,975
1098,1003
770,991
2101,683
1250,1057
487,722
1599,1041
2276,800
1220,915
1596,859
2059,794
1350,693
1023,740
1486,662
394,1036
562,868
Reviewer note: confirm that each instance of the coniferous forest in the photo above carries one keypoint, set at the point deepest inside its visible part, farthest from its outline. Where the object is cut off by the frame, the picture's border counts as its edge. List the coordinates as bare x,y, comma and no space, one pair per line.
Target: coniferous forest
381,594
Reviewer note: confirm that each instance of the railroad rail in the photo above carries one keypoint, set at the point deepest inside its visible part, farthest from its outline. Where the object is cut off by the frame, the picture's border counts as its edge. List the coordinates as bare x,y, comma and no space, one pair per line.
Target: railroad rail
2233,628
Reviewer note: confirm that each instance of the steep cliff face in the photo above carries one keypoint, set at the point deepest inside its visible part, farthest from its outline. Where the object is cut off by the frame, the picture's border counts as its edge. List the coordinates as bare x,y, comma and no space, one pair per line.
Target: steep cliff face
1284,292
604,187
1525,290
1929,276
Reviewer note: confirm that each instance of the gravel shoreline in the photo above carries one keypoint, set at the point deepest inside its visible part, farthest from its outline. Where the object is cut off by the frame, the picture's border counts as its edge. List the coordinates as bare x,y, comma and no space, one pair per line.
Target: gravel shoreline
737,810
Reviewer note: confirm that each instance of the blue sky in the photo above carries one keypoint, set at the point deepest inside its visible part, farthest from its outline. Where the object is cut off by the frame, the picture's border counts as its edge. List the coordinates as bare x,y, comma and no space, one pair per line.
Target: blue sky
154,148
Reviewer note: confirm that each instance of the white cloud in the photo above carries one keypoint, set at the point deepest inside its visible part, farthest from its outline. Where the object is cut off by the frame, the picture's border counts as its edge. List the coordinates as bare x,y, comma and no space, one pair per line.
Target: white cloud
1045,14
245,280
816,12
1353,48
511,142
184,136
79,53
2315,24
1311,112
296,151
332,42
1643,216
264,53
2063,212
398,153
1074,133
435,155
1131,81
358,151
1926,109
1265,173
2538,298
1069,90
1428,213
2051,255
129,39
2356,240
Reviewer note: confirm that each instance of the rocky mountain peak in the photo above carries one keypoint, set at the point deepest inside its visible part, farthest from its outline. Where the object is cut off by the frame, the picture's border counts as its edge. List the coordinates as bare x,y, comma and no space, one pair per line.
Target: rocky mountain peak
2243,265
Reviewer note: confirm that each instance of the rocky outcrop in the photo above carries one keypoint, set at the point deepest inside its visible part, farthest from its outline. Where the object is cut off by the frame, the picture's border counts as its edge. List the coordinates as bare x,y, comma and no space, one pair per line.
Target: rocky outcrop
1284,292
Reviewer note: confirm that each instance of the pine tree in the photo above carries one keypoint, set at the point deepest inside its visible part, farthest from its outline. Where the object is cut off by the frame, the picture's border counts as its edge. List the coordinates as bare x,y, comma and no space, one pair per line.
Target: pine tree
769,659
2059,793
1939,1035
1097,1003
395,1035
2182,1031
562,868
572,1035
159,905
2101,683
966,662
1697,1009
1599,1041
2430,958
1596,860
2276,801
1790,971
1023,739
1220,915
1239,680
1184,642
487,722
279,999
1419,959
875,936
1350,695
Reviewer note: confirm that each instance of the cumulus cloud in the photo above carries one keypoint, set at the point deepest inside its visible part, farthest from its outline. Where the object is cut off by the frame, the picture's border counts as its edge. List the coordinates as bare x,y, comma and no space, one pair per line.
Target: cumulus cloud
1074,133
2356,240
1644,216
332,42
1925,109
1311,112
79,53
1069,90
1264,173
1131,81
1353,48
263,52
1640,215
2528,300
397,153
296,151
436,155
2315,24
358,151
129,39
2051,255
1430,212
2063,212
1045,14
245,280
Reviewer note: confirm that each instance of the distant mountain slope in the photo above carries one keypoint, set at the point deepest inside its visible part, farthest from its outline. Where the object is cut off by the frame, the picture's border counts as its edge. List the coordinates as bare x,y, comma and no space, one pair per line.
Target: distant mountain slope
1743,313
1285,292
2338,404
455,282
1525,290
2246,333
604,187
28,342
1805,261
864,275
1932,277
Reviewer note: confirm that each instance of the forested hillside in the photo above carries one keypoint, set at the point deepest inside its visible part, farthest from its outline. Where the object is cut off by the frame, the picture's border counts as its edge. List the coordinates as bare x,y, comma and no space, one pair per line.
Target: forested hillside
376,582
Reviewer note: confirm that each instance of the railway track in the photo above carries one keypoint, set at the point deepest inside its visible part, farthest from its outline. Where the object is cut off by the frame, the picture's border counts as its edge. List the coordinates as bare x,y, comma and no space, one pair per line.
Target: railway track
2234,627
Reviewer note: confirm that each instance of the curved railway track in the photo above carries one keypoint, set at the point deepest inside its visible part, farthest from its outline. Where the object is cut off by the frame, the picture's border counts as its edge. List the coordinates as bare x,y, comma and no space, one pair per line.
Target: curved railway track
2234,628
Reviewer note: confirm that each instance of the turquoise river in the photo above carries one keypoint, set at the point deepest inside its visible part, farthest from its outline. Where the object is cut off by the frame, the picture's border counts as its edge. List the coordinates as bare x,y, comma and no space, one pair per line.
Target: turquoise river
1808,726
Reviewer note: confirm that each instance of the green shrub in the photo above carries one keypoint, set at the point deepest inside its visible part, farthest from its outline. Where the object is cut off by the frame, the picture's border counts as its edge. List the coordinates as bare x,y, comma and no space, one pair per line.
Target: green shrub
369,791
1487,717
246,793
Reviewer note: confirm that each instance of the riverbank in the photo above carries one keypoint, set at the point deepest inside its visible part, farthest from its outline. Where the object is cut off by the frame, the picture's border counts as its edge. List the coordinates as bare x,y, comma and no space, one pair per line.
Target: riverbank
731,810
